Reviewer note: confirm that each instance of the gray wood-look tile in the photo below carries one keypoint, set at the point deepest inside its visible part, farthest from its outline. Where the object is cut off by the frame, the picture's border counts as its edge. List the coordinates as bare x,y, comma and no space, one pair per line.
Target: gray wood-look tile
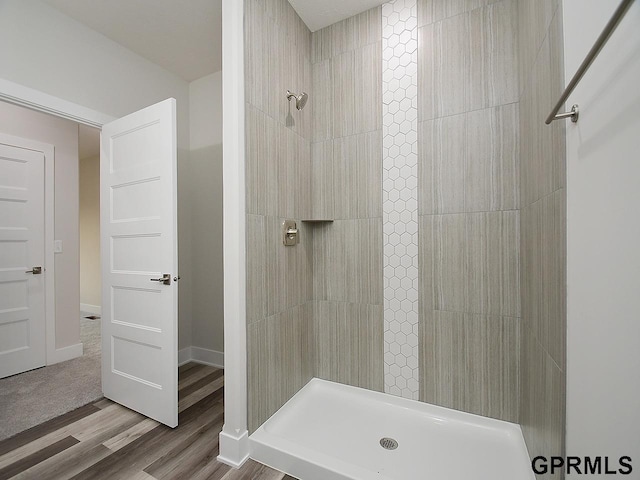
542,406
279,364
357,31
430,11
491,171
444,82
322,74
357,90
479,173
262,165
321,45
322,188
441,165
460,67
349,343
494,55
475,262
449,269
349,269
470,362
256,260
357,173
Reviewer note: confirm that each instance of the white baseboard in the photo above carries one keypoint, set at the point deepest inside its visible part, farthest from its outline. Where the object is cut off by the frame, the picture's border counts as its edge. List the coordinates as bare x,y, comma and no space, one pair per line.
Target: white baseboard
93,309
65,353
184,356
201,355
234,450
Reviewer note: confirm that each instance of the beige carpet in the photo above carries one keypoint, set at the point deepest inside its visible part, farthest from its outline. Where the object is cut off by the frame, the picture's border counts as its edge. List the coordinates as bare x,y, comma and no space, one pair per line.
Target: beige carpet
28,399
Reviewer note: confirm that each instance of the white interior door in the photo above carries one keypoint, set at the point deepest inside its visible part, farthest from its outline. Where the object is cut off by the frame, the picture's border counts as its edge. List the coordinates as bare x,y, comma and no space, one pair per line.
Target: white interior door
22,285
138,222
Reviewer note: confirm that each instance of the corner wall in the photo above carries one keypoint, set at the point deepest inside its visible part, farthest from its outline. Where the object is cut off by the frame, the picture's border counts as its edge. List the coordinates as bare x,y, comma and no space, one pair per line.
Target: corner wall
205,212
543,229
89,224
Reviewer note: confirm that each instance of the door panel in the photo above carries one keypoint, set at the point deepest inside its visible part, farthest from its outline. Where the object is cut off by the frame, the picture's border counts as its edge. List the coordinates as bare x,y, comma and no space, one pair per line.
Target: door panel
139,244
22,320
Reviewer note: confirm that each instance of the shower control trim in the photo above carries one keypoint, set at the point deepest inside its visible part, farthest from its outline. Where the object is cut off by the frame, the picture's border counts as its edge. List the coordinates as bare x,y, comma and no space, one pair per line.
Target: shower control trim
290,235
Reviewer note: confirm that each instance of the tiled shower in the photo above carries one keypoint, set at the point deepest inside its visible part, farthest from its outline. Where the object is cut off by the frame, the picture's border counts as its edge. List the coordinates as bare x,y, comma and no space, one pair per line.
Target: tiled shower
429,199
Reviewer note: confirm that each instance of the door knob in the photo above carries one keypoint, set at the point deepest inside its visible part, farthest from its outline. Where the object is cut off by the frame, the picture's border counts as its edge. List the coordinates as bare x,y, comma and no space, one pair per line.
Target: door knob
35,270
166,279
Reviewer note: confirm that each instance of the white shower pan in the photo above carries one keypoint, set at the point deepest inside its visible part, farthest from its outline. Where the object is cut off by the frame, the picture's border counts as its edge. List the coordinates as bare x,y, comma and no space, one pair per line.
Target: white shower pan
329,431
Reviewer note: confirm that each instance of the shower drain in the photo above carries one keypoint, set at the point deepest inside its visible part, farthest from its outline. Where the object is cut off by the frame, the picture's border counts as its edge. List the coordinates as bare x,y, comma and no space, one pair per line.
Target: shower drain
388,443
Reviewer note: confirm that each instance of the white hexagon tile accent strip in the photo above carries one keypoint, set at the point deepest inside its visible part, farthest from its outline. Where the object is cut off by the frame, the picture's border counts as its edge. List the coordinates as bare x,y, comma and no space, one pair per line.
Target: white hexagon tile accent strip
400,196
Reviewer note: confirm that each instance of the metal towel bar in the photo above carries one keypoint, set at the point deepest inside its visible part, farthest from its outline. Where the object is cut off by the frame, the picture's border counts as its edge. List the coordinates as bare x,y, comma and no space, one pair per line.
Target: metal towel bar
591,56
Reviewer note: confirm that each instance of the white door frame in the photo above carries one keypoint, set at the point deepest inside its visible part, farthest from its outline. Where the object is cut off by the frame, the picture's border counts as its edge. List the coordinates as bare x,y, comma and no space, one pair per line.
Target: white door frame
49,233
35,100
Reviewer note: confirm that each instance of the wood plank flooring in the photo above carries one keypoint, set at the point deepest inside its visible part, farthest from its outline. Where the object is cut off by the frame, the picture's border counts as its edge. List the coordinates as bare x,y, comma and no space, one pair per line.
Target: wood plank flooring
104,440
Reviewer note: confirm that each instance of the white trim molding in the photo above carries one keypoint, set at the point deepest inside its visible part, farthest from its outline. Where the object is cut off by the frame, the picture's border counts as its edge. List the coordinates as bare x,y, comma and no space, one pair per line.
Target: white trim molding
234,438
43,102
201,355
65,353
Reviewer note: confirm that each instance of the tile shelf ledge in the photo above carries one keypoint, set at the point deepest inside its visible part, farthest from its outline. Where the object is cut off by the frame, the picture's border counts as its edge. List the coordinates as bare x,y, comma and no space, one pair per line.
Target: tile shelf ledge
317,220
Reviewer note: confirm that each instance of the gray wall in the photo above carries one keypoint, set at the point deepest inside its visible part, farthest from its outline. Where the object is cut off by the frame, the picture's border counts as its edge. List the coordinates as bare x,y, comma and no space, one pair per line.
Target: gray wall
468,206
543,228
278,156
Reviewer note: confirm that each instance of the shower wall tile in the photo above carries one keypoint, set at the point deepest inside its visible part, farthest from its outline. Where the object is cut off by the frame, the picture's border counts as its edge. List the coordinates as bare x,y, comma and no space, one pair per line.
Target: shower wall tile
357,170
470,363
348,340
431,11
543,229
279,363
543,147
542,401
400,196
256,273
475,262
288,276
460,68
357,91
544,286
350,34
441,171
444,82
261,163
347,257
493,56
492,159
322,101
534,19
322,186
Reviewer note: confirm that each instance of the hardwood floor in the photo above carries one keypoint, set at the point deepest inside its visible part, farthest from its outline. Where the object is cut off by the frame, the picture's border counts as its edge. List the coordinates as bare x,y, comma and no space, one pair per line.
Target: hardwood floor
104,440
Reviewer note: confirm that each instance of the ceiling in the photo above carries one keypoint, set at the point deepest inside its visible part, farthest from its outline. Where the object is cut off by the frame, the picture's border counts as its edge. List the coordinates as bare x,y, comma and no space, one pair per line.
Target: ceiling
318,14
184,37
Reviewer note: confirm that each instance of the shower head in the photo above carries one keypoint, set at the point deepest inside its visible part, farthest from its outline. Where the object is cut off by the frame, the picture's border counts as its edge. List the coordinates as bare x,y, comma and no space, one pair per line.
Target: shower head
301,100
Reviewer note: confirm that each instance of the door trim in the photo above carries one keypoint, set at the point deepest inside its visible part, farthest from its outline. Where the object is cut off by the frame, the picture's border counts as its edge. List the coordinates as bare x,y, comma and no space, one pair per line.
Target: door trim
32,99
36,100
49,233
